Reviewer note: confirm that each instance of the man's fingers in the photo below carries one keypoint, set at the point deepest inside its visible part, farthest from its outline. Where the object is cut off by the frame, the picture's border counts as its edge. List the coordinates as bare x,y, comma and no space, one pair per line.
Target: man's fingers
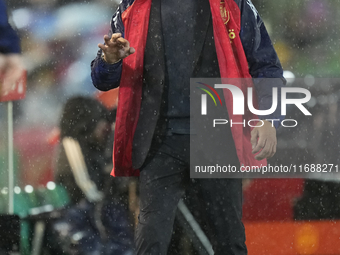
111,41
128,51
260,145
115,48
115,36
114,41
266,152
261,156
102,46
253,139
266,143
273,150
123,42
106,39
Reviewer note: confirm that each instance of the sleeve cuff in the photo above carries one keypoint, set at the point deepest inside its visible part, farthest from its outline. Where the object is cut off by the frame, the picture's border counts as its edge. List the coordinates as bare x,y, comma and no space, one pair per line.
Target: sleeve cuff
275,120
109,67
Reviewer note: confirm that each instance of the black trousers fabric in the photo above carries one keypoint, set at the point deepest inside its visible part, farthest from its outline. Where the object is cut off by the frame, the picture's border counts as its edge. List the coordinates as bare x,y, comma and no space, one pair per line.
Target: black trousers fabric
163,180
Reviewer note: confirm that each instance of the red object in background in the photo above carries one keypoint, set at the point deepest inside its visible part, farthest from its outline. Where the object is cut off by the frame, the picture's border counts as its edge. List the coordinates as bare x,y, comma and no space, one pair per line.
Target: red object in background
36,156
108,98
271,199
18,91
293,238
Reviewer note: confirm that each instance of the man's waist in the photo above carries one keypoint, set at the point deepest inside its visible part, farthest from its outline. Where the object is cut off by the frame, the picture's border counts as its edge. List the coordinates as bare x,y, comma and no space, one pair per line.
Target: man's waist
178,126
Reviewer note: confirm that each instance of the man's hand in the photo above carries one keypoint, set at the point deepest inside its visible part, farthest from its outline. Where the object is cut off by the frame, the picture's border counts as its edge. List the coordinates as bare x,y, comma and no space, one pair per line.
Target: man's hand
11,68
115,48
264,138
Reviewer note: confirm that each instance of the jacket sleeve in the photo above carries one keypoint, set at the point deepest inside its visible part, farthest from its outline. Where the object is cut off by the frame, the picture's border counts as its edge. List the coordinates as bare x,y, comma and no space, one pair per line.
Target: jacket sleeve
107,76
262,59
9,40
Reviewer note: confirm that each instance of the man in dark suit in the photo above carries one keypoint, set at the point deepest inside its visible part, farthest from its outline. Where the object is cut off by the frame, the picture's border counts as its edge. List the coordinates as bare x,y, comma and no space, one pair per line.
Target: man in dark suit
172,42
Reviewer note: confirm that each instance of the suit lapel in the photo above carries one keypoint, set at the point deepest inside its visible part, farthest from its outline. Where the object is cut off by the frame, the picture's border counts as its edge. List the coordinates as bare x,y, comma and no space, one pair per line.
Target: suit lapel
153,86
154,50
201,28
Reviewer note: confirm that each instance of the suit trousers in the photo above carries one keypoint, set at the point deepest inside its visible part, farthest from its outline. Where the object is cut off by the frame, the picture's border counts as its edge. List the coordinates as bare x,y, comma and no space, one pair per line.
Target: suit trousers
164,178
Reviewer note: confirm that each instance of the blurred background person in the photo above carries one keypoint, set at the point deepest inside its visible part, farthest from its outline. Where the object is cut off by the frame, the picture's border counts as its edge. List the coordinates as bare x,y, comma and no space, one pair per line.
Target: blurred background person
97,223
11,65
80,166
